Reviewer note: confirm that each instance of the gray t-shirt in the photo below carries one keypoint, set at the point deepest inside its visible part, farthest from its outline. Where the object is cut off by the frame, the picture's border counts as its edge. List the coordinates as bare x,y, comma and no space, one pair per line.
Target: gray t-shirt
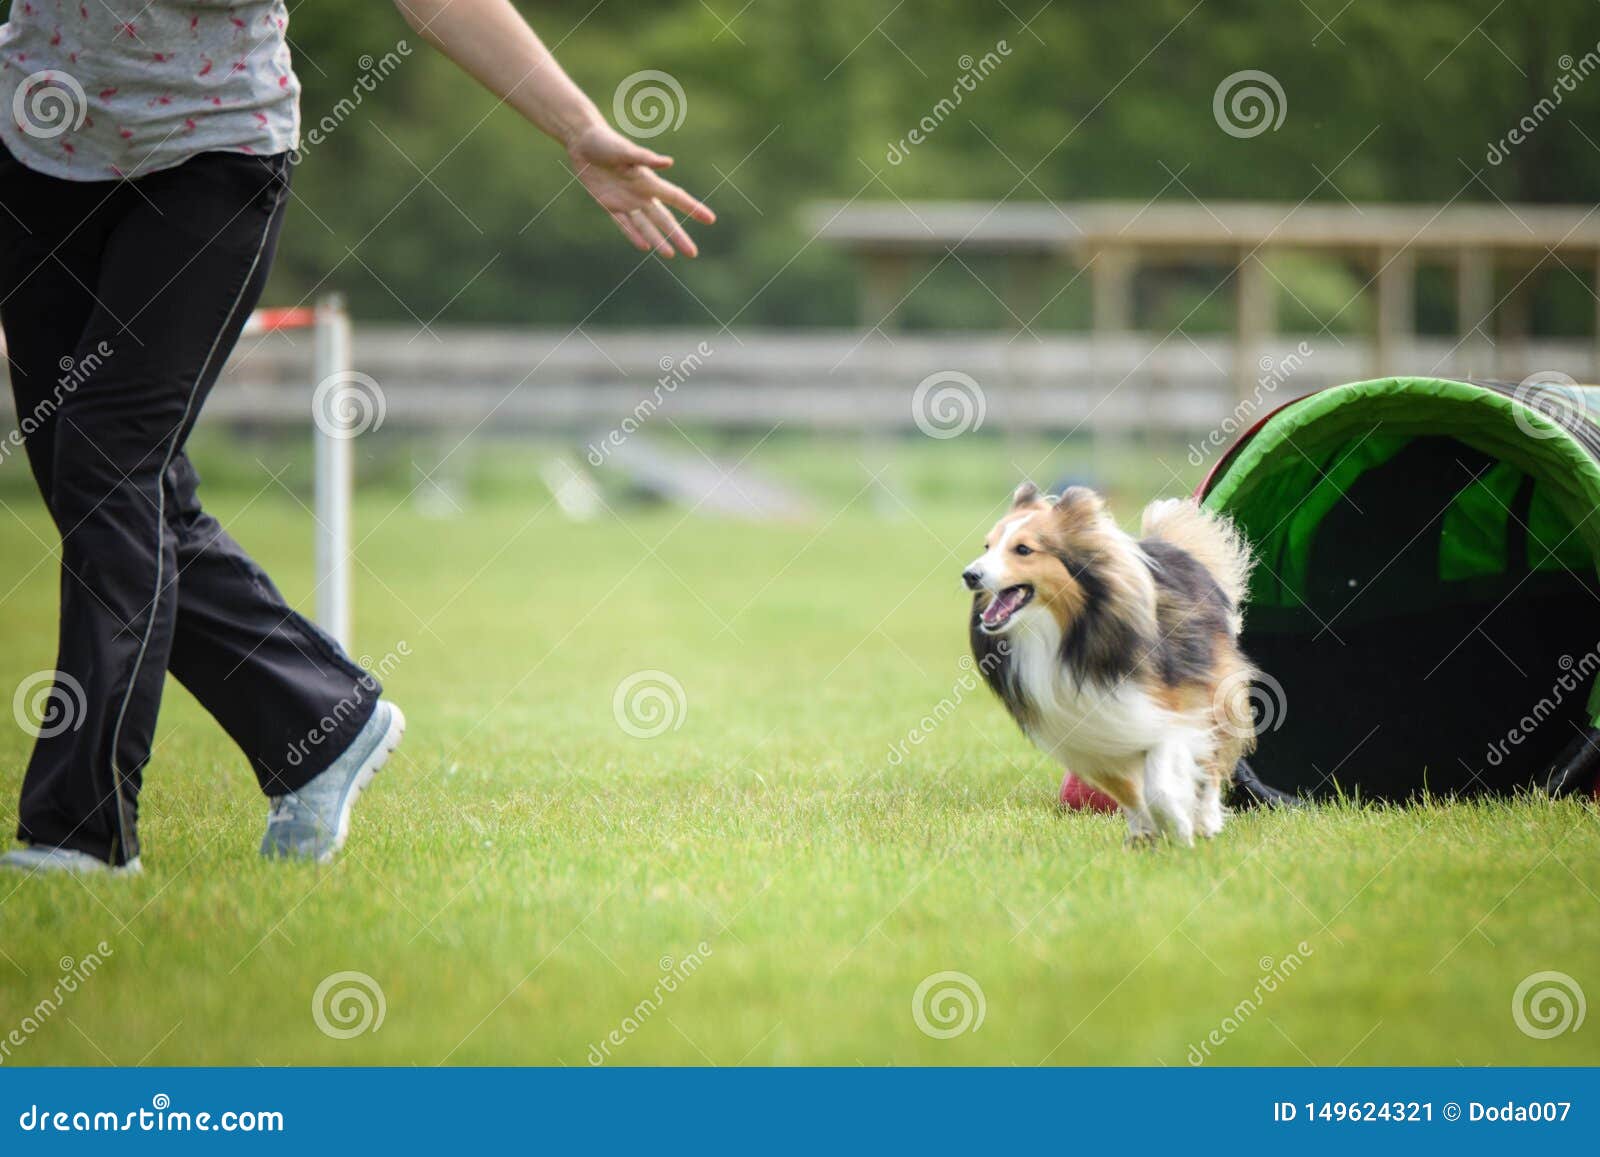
94,90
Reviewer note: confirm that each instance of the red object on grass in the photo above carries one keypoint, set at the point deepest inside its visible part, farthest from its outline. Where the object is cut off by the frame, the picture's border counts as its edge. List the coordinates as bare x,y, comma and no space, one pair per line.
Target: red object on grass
1079,796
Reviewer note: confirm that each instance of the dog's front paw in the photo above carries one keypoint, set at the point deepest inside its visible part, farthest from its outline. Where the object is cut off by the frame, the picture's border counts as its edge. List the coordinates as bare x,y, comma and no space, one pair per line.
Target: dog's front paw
1140,841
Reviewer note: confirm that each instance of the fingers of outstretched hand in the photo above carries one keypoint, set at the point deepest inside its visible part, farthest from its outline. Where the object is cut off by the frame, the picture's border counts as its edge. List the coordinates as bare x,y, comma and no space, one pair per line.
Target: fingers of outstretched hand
647,228
663,219
671,195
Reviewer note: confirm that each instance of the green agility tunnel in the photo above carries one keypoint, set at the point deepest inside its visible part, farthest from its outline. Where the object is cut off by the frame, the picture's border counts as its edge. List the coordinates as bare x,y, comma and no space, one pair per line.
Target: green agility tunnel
1425,609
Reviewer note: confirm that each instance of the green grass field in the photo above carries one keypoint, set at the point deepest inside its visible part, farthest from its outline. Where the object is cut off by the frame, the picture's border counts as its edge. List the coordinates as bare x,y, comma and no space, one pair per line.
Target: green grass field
522,873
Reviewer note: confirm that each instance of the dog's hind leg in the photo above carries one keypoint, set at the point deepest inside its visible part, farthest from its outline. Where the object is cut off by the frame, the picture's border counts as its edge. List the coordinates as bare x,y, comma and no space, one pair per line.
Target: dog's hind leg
1218,771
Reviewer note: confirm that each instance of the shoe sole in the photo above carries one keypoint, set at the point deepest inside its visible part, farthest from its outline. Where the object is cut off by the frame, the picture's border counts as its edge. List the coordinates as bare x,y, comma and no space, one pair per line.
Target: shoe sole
132,868
374,763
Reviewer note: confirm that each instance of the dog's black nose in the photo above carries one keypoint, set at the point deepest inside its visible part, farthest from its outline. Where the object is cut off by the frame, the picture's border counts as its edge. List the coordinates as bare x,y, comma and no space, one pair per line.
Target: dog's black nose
972,578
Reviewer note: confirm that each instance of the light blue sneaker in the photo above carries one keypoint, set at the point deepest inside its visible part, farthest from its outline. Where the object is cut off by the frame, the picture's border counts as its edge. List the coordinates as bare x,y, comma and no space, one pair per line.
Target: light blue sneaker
314,822
44,858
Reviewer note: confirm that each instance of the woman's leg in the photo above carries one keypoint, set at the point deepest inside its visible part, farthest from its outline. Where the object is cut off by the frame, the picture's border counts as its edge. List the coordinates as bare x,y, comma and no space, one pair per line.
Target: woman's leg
51,236
144,572
282,688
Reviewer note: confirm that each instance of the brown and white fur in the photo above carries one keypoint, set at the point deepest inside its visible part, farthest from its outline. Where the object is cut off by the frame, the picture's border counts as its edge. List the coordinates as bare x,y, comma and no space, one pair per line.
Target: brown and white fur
1119,656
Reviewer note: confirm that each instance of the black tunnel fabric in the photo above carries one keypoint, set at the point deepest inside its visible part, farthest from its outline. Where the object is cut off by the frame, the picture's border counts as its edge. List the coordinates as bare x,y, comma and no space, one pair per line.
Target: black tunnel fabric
1426,610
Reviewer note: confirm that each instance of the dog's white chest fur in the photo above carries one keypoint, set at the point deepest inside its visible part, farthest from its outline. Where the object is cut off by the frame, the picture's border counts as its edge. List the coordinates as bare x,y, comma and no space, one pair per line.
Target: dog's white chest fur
1088,727
1108,734
1093,730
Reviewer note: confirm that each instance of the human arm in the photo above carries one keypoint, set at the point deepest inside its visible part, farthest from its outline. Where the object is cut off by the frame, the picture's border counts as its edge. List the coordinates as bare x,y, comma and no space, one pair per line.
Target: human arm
491,42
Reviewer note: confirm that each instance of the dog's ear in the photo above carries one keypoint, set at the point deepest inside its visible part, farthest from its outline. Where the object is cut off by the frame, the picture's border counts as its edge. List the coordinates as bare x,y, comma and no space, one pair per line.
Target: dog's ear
1025,495
1080,502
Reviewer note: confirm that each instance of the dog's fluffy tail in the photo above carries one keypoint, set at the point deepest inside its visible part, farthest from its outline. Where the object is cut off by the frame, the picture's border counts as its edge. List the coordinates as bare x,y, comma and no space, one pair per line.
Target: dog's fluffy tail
1212,539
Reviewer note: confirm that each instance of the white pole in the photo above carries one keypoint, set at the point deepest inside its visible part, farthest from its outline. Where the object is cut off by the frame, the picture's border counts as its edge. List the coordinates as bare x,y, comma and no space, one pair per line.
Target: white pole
332,437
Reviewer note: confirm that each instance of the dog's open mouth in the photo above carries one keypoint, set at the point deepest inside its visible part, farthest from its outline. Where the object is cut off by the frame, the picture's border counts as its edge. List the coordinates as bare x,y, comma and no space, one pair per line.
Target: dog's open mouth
1004,605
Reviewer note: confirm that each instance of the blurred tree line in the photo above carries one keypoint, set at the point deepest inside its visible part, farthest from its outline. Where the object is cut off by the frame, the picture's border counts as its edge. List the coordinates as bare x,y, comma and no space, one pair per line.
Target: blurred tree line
429,203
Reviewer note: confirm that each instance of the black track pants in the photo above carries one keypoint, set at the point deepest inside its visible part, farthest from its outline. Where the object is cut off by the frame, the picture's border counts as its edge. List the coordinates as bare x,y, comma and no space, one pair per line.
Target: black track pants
121,302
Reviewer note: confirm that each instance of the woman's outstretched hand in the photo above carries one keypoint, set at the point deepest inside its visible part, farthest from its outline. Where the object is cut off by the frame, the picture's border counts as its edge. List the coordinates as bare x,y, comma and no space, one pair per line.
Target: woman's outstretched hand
493,43
624,177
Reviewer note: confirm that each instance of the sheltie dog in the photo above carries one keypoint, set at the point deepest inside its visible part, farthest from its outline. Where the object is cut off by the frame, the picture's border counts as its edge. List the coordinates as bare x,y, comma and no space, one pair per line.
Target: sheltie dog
1119,656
